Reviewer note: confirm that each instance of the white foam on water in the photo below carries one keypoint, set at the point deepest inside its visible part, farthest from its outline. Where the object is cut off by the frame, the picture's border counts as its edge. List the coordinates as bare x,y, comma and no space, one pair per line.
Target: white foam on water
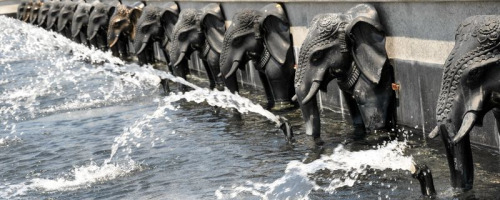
79,177
298,180
85,176
68,63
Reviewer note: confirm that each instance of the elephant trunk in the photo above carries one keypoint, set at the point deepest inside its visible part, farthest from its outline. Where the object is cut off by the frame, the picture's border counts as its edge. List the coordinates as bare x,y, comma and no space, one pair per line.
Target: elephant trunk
424,176
306,96
62,23
454,126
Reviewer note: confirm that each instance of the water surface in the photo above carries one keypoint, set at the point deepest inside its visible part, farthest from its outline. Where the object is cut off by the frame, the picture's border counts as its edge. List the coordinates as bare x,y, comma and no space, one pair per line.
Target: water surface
77,123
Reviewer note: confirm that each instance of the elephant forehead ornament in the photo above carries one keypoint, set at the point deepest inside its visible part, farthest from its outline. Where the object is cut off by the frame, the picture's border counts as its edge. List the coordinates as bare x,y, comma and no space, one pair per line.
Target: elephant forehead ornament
350,48
469,89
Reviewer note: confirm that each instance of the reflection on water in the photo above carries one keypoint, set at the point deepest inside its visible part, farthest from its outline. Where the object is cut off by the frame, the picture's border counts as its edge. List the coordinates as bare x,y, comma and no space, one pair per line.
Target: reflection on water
77,122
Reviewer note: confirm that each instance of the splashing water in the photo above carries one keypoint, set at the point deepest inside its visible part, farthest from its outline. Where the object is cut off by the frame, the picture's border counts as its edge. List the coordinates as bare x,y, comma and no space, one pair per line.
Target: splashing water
298,181
59,70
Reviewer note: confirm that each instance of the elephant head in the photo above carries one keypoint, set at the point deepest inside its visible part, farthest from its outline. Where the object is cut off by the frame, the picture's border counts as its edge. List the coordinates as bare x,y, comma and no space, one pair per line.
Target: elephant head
202,31
24,11
35,11
469,89
263,38
348,47
99,23
80,21
66,17
43,14
154,26
53,14
124,22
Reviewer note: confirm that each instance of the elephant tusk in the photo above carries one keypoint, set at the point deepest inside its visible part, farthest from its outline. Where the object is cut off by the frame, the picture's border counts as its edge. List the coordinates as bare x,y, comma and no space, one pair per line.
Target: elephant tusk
179,59
467,124
93,34
113,42
312,92
294,98
434,132
234,67
143,46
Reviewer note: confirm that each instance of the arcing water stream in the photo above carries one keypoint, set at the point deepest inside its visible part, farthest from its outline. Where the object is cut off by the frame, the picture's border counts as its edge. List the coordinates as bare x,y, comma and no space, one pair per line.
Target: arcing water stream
79,123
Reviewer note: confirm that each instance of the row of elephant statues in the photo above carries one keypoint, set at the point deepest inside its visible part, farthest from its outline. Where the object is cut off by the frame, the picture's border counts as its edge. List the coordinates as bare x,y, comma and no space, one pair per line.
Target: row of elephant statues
346,47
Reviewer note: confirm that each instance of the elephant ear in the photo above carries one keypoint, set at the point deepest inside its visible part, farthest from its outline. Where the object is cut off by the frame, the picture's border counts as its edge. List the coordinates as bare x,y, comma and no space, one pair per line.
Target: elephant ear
135,14
169,17
367,40
214,28
276,28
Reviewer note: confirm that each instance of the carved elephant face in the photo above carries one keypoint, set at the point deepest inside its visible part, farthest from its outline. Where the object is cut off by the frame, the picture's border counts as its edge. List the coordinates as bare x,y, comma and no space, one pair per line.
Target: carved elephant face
334,41
155,24
24,10
250,32
80,19
43,13
66,15
348,47
99,19
53,14
469,88
124,22
35,9
195,29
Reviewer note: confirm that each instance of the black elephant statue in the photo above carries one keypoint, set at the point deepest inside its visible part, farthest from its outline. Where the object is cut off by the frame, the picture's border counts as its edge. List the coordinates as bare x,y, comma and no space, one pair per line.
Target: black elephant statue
79,23
154,29
99,24
348,47
24,11
53,15
65,18
43,14
35,9
122,25
469,89
263,38
153,33
199,31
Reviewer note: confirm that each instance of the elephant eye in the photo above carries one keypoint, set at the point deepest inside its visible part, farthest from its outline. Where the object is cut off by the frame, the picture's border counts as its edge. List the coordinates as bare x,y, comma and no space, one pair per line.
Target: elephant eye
96,20
145,29
237,41
317,56
183,36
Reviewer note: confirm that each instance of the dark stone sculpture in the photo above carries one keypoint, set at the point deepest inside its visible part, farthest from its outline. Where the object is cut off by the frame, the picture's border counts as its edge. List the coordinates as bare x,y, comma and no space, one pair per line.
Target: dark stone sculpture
35,9
98,26
424,176
201,31
469,89
24,11
65,18
122,25
348,47
154,28
263,38
79,23
43,14
53,15
153,35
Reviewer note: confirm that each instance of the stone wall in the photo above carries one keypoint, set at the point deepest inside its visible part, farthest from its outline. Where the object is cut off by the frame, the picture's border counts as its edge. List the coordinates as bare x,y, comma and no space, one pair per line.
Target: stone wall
420,37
